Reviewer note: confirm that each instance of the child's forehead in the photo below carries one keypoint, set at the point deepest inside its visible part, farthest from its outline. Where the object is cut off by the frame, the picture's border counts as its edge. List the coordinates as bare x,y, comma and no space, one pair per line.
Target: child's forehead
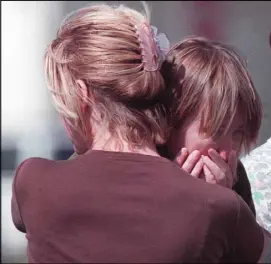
237,119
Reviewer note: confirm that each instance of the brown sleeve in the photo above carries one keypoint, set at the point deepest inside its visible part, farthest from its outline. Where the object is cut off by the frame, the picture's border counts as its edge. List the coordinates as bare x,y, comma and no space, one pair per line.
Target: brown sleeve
243,188
15,208
248,239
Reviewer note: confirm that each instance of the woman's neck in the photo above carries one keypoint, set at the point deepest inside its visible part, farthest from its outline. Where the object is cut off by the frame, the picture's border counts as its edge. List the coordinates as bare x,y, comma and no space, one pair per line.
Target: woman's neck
105,141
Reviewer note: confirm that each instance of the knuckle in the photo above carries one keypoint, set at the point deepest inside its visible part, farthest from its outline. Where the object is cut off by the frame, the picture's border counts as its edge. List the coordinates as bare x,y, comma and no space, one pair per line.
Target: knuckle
185,169
179,160
224,172
222,175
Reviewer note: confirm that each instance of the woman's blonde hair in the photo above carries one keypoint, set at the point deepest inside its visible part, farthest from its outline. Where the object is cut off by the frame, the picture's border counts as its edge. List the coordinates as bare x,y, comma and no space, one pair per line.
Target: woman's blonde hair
99,45
210,80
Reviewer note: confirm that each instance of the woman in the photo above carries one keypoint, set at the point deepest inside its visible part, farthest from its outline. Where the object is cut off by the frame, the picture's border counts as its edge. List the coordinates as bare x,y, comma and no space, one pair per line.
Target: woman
120,201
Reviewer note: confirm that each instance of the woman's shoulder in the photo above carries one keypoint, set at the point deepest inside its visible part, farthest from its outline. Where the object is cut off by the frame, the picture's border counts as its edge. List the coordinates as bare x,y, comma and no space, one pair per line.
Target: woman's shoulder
33,165
35,169
34,161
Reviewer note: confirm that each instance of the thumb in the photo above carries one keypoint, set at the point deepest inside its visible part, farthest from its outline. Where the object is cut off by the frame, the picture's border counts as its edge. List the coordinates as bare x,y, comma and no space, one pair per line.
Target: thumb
181,156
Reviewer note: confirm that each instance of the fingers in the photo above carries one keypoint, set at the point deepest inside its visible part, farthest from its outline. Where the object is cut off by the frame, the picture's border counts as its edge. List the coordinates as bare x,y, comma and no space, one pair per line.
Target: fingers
209,177
219,175
197,169
191,161
181,157
217,159
214,169
188,162
223,155
225,177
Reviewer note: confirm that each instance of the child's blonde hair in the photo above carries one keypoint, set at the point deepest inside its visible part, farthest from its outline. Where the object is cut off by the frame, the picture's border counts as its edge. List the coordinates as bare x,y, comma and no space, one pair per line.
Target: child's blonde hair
99,45
211,81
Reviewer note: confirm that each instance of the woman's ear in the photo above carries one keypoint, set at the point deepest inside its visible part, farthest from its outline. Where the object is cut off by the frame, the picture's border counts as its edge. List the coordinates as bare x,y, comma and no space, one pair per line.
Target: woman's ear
85,94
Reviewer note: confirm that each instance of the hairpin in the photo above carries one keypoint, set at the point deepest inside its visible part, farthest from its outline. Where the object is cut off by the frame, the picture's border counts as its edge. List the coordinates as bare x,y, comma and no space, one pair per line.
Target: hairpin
153,47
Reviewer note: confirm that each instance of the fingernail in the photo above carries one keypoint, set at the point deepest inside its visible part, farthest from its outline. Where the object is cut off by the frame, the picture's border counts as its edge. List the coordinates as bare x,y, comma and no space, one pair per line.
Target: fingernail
211,150
223,155
196,153
184,150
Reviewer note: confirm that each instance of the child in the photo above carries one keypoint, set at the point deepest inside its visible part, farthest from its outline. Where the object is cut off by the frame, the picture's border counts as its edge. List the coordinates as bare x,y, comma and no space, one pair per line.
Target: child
217,114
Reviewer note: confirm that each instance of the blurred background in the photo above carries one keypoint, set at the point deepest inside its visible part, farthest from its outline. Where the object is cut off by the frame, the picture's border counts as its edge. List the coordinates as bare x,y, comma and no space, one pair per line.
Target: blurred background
30,125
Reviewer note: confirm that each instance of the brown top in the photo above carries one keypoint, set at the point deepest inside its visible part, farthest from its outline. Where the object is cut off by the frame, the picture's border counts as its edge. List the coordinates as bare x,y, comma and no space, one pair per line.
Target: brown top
126,207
